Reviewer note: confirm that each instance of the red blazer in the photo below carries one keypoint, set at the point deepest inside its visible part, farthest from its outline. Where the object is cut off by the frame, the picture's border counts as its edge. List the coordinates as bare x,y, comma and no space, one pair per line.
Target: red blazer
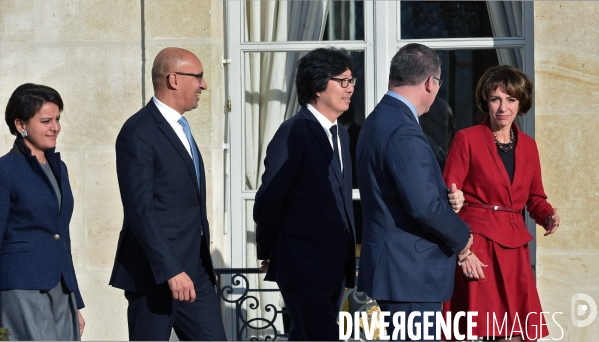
474,165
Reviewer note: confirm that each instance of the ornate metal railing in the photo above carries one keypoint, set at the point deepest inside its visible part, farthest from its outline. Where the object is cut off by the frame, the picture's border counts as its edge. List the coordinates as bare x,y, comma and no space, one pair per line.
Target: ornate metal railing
233,287
270,321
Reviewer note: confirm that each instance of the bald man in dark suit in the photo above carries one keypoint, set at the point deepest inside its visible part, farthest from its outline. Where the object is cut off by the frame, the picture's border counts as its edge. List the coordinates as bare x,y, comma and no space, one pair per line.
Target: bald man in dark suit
163,258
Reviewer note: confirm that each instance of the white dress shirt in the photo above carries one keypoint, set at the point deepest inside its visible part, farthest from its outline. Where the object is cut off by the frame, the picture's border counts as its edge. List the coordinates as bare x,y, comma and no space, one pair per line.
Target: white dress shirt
172,116
326,125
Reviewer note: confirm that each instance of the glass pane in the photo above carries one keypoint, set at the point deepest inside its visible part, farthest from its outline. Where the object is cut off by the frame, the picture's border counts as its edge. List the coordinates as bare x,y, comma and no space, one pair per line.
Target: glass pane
270,21
455,105
460,19
270,98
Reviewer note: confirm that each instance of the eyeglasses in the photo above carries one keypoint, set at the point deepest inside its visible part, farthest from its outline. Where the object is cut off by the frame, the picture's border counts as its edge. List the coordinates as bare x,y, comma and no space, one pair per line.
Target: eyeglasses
344,82
438,79
199,76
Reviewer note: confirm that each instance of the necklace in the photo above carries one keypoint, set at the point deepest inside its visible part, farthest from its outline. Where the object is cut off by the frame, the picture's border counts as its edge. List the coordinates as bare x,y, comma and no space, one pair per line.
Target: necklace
510,145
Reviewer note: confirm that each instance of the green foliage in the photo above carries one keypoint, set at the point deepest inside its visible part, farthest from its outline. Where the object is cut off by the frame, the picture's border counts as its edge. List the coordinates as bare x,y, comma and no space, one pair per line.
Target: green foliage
4,334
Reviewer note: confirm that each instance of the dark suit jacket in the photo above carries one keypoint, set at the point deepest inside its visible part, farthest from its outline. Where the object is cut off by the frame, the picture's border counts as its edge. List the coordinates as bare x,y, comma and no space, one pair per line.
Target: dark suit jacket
410,232
474,165
164,213
30,256
303,208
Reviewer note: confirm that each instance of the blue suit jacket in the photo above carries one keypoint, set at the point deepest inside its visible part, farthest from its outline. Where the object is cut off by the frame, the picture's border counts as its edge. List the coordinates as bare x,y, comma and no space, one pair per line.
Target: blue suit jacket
164,212
410,232
30,257
303,209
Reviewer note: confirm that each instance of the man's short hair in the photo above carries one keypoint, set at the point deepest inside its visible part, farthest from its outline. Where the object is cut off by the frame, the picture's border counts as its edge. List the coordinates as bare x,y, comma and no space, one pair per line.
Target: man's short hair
413,64
511,80
315,69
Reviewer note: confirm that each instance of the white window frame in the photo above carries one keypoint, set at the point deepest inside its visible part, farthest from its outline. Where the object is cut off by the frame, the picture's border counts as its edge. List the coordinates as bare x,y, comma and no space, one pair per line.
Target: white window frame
381,33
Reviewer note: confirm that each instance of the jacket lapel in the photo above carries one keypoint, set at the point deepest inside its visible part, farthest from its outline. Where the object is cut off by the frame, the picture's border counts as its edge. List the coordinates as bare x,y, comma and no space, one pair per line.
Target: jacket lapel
166,128
53,159
347,167
202,185
519,165
323,141
492,147
344,138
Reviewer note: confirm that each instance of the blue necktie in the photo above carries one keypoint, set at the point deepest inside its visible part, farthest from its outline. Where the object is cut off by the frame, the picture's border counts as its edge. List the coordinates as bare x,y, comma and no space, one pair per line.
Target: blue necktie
192,145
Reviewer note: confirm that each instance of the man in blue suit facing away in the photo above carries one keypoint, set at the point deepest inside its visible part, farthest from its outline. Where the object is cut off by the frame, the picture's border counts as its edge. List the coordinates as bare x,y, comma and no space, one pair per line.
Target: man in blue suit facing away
411,234
303,210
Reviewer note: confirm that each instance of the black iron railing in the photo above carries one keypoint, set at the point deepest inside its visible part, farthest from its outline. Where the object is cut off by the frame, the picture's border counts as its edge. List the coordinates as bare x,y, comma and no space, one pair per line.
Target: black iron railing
234,287
270,321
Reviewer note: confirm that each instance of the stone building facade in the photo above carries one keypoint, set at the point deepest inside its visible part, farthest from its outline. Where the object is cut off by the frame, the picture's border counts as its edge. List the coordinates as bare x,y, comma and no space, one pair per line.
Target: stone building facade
98,55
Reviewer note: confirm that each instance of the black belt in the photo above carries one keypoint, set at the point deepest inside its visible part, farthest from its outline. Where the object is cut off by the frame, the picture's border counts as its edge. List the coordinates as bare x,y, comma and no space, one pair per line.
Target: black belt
492,207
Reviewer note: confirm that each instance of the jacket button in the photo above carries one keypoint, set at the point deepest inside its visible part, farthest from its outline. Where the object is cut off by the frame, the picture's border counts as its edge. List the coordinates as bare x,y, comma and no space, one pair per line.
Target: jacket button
346,229
56,237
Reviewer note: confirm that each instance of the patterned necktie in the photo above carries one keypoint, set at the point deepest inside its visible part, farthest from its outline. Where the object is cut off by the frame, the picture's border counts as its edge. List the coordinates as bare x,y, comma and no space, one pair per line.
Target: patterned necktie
192,145
333,130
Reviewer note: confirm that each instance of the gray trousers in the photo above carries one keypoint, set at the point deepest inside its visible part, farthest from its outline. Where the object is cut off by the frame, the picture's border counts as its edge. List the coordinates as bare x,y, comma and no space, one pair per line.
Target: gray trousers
36,315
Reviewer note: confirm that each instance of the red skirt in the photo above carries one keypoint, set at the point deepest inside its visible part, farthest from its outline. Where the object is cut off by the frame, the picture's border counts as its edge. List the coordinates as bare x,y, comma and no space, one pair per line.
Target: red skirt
507,300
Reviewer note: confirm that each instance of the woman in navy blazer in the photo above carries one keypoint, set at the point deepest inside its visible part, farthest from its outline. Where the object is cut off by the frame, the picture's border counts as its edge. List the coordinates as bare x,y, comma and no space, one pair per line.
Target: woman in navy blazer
39,295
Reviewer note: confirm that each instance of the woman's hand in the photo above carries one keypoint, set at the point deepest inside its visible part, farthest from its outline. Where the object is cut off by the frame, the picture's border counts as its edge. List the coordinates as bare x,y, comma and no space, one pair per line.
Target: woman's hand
472,267
552,222
81,322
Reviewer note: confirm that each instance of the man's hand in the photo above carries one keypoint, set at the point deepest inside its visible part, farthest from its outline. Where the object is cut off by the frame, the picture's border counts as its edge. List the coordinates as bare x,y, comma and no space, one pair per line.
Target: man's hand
468,245
456,198
182,287
81,322
264,265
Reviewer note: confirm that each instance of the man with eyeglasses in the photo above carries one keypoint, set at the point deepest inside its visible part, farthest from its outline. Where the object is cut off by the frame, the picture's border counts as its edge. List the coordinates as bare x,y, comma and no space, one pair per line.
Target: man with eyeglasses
410,234
163,257
305,231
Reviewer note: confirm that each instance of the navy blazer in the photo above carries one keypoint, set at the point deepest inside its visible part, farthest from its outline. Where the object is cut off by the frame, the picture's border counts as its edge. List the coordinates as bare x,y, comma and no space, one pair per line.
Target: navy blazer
303,209
410,234
164,212
32,257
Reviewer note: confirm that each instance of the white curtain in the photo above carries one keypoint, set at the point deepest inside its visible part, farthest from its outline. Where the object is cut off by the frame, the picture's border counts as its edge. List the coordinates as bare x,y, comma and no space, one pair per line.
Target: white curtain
342,16
270,98
506,21
269,79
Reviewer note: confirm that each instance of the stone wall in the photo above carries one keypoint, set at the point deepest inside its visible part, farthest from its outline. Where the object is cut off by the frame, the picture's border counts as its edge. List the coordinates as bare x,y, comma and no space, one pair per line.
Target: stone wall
98,55
567,133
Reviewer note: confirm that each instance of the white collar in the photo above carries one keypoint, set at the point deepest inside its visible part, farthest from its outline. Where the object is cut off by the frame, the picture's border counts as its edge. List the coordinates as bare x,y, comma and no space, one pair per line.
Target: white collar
171,115
324,122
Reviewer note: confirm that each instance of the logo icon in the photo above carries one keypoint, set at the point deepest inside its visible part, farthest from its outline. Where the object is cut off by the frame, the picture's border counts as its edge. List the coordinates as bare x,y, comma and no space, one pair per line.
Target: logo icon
580,305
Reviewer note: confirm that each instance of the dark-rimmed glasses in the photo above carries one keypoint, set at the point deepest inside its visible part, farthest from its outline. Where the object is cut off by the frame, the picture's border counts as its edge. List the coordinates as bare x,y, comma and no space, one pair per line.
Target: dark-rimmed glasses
438,79
199,76
344,82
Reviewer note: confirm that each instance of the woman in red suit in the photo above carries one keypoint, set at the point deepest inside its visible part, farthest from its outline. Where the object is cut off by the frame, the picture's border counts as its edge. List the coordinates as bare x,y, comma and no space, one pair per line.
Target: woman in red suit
497,167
